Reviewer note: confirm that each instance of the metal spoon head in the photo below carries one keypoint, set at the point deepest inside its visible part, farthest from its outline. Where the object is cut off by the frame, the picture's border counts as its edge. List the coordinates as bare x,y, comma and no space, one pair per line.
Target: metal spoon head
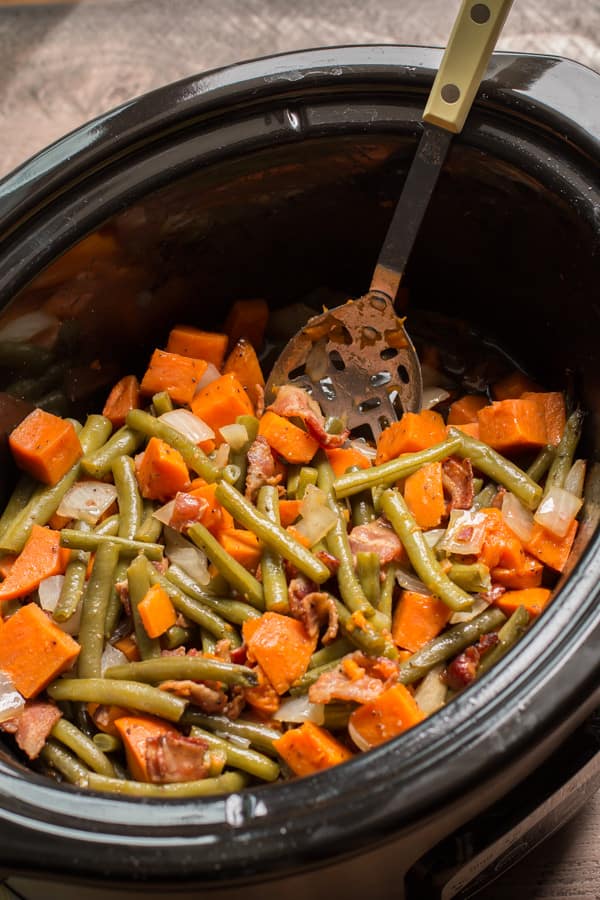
357,362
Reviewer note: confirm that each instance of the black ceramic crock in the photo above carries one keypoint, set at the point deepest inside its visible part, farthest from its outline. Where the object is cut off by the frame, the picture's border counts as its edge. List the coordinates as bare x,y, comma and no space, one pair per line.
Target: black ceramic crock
270,178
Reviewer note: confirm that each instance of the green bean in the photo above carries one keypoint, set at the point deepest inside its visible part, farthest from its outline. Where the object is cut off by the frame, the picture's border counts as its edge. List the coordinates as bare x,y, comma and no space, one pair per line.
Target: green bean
18,499
541,463
362,507
138,581
64,762
386,598
389,472
74,582
128,497
368,572
150,527
194,457
449,644
231,474
32,357
115,607
93,613
302,684
240,757
498,468
271,564
124,442
239,457
130,694
197,611
195,668
306,476
222,784
565,451
473,577
83,747
478,484
45,500
177,636
272,535
365,637
260,736
334,425
293,477
208,642
236,611
108,527
77,540
237,576
508,636
337,715
107,743
162,403
485,496
420,554
331,653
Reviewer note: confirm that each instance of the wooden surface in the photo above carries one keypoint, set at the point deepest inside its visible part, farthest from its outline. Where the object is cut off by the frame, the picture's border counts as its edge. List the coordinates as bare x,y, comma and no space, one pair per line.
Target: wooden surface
61,64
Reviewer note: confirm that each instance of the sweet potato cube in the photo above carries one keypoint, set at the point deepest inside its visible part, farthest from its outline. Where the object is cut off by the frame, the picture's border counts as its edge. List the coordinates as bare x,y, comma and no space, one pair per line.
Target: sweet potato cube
290,442
310,748
124,397
424,495
221,402
281,647
464,411
45,446
208,345
175,374
414,432
247,319
512,426
156,612
533,599
552,406
162,471
243,363
551,550
343,458
393,712
417,619
135,732
41,557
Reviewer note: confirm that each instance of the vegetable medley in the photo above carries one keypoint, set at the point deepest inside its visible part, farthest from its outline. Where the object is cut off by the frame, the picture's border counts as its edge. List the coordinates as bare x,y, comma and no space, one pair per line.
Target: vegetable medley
198,591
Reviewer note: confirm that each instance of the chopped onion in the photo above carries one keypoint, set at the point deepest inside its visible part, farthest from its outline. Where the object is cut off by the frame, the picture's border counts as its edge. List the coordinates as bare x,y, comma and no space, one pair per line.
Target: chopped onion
71,626
479,604
557,510
518,518
361,445
186,423
11,701
300,709
410,582
49,592
316,518
87,500
361,742
111,656
222,456
433,395
465,533
576,477
191,559
210,374
164,513
28,326
235,435
431,693
434,536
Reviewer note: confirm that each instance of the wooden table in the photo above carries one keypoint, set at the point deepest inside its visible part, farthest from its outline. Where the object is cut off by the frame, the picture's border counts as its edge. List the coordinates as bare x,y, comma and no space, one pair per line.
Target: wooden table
64,63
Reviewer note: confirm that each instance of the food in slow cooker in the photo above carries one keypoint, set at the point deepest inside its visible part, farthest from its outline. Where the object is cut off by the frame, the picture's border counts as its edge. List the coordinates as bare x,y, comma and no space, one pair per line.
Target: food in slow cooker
199,592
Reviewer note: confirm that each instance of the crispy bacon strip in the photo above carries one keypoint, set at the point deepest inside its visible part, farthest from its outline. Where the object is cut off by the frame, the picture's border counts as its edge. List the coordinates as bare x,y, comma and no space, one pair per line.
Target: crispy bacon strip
357,678
187,511
463,668
33,726
292,401
376,537
210,700
261,468
457,481
172,758
313,609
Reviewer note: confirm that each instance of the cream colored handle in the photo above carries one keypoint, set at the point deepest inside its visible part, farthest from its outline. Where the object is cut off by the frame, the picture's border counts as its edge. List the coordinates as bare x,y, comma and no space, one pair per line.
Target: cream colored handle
473,38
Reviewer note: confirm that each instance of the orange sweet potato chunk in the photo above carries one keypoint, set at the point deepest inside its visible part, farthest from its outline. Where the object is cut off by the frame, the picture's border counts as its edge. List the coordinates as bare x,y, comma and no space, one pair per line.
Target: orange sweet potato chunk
414,432
208,345
512,426
310,748
175,374
281,647
162,472
45,446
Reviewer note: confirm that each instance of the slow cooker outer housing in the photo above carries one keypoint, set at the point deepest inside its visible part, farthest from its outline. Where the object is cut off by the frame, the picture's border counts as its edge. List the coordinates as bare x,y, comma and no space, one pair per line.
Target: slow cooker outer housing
536,119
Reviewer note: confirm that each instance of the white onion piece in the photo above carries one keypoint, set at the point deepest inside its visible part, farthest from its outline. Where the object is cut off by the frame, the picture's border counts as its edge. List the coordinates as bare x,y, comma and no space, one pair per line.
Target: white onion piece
11,701
433,395
300,709
316,518
431,693
49,592
557,510
191,559
357,738
87,500
222,456
71,626
518,518
576,478
361,445
465,533
28,326
164,513
235,435
210,374
433,536
479,604
410,582
111,656
186,423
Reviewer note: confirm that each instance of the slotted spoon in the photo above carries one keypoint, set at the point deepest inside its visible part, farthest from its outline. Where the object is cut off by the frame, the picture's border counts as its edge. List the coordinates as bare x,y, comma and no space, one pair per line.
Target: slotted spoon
357,360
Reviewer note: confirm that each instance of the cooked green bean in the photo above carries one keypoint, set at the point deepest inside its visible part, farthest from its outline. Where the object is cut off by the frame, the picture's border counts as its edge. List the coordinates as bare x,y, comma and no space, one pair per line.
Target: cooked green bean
362,507
386,598
93,612
83,747
237,576
337,715
195,668
222,784
508,636
332,652
541,463
115,607
478,484
449,644
128,497
177,636
73,585
389,472
272,535
293,476
420,554
150,527
368,572
235,611
18,499
306,476
301,685
194,457
138,581
64,762
485,496
97,462
472,577
271,564
565,452
162,403
239,457
260,736
246,760
77,540
130,694
207,641
107,743
108,527
498,468
364,636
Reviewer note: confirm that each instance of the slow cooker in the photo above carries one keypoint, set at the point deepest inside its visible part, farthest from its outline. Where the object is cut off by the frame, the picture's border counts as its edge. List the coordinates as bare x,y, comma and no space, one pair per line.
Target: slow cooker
272,178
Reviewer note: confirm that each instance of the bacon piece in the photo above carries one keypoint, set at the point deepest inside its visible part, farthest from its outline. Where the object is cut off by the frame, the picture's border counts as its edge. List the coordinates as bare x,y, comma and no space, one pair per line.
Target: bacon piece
122,589
261,468
210,700
187,511
357,678
259,393
292,401
494,593
331,561
172,757
457,481
313,609
498,497
463,668
377,537
33,726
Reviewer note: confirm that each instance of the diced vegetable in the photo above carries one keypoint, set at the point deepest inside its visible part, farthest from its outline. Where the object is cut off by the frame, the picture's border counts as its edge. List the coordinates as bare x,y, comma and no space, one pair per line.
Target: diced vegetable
41,557
414,432
243,363
424,495
156,612
45,446
513,426
417,619
124,397
162,471
221,402
384,718
207,345
287,439
310,748
281,647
